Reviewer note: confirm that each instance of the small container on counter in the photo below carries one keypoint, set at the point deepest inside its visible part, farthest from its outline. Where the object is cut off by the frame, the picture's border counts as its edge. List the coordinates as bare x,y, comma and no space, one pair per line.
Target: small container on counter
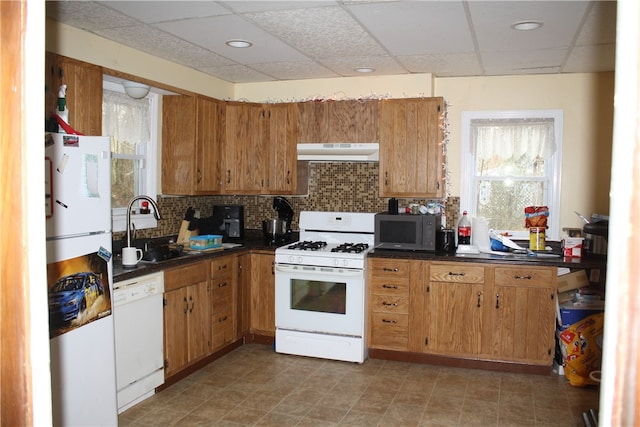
537,238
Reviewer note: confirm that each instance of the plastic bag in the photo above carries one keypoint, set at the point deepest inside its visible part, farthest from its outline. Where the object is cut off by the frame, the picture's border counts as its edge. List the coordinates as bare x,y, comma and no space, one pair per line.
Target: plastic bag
582,350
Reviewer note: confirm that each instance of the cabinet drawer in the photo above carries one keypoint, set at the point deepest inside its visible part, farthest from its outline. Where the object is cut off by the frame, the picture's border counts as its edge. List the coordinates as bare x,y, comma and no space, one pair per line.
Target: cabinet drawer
525,276
390,303
456,273
390,286
389,268
221,267
221,299
184,276
389,330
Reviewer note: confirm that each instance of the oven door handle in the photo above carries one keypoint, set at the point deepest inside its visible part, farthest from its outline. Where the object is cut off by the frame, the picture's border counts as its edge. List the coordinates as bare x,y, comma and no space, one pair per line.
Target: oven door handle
309,269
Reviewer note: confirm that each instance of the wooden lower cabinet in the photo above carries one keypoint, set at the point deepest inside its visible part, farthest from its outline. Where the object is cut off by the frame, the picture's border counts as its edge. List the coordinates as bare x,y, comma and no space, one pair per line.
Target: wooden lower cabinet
200,311
388,326
464,310
523,306
187,318
224,293
262,307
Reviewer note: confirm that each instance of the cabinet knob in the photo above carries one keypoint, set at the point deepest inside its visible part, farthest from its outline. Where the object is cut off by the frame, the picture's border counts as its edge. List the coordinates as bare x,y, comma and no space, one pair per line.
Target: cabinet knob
390,304
389,321
395,270
523,277
390,286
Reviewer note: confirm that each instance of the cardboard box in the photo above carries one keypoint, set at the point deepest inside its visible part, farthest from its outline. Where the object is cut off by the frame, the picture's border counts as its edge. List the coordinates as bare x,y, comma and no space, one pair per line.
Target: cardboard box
575,280
572,246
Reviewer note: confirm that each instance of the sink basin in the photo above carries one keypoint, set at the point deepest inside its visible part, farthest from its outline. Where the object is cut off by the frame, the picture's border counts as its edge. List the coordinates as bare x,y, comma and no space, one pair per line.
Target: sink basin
162,253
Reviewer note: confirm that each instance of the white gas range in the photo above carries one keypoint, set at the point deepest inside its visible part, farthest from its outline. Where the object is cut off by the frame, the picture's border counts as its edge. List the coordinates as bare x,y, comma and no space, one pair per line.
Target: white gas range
321,287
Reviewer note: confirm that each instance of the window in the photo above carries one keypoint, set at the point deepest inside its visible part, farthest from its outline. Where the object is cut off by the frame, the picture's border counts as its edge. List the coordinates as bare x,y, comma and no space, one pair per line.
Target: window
132,125
511,160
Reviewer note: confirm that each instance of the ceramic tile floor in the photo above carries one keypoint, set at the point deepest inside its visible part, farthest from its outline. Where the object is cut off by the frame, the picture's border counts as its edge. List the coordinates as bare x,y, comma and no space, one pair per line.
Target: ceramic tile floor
254,386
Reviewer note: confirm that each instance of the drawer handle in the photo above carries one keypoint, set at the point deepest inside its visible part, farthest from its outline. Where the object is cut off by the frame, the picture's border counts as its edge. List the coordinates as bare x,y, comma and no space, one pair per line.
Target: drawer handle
390,269
523,277
390,304
222,285
497,300
390,286
389,321
222,267
222,319
451,273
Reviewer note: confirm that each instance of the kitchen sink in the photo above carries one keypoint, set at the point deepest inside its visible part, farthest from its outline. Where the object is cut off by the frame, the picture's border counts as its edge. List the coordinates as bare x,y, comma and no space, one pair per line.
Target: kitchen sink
162,253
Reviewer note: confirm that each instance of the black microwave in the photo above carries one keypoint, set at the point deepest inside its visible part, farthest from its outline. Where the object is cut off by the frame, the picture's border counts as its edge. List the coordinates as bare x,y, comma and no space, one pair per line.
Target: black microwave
406,231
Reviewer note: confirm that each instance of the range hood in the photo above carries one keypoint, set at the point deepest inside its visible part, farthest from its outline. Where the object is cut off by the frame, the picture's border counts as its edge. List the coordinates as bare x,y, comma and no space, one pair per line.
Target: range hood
340,152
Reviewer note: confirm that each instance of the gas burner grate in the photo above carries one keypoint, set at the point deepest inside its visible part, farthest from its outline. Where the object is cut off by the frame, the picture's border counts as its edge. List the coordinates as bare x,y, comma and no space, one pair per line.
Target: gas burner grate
354,248
308,245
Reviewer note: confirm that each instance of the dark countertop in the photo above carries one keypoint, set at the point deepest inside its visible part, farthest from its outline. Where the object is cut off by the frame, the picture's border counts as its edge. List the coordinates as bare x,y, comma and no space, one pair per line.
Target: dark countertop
253,241
586,262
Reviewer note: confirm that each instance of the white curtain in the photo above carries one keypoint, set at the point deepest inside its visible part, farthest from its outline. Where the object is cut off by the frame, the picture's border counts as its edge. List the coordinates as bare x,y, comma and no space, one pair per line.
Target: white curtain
513,138
125,119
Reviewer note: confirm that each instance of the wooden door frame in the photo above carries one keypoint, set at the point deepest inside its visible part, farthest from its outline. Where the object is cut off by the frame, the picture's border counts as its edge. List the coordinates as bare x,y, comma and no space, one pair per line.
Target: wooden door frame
16,405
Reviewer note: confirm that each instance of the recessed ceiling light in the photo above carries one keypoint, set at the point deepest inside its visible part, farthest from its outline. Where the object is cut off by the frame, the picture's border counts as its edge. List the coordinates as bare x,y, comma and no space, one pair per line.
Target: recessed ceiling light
239,43
364,69
526,25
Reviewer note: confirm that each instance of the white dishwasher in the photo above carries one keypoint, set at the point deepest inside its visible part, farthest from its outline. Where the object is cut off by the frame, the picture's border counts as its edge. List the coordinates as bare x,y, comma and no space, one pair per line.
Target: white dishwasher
138,319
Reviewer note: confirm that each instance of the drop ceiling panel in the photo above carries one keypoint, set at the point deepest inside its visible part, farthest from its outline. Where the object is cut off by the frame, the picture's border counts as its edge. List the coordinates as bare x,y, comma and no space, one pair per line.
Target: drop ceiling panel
319,32
421,27
493,20
159,11
212,33
443,64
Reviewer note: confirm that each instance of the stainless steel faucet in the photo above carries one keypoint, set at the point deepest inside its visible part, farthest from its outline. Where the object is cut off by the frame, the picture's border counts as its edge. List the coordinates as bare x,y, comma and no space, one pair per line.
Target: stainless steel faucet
156,213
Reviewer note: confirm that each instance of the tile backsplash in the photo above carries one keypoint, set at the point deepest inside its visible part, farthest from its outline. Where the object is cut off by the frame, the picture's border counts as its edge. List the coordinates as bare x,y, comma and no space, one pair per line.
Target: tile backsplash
338,186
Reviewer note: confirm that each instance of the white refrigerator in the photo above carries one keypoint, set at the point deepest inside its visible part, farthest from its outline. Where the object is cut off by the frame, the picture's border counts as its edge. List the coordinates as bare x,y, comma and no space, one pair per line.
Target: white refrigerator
80,280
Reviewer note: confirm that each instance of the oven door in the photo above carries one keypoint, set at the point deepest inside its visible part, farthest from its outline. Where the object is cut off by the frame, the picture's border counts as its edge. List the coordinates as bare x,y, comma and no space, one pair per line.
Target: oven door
323,300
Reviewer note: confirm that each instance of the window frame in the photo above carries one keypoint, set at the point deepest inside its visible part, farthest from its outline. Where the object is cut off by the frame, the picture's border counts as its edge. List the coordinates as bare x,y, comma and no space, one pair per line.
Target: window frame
119,215
552,189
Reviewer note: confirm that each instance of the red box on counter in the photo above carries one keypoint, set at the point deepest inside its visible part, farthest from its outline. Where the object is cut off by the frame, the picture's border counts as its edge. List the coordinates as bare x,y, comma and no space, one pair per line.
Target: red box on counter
572,246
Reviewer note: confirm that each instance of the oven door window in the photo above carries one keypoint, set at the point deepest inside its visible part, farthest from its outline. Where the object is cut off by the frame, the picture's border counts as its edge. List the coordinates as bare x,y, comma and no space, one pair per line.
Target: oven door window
314,295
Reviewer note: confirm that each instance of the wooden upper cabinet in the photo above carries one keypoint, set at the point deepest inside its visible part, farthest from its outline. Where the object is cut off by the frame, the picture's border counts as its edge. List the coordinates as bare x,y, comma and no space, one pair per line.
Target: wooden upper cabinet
338,121
281,168
178,144
192,134
411,154
84,92
210,133
244,154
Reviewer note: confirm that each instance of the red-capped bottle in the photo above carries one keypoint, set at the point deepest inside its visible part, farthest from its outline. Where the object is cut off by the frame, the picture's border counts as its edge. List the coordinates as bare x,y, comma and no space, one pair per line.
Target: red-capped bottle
464,230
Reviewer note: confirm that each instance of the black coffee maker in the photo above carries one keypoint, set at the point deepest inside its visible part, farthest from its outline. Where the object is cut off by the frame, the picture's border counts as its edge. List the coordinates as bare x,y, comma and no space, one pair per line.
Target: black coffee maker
228,220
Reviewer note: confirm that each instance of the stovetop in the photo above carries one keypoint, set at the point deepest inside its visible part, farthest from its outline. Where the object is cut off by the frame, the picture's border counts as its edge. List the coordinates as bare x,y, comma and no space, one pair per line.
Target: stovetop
320,245
330,239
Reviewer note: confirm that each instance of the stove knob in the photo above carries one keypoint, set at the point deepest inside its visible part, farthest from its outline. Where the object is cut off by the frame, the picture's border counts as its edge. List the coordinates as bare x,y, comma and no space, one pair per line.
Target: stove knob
336,262
291,258
299,260
345,263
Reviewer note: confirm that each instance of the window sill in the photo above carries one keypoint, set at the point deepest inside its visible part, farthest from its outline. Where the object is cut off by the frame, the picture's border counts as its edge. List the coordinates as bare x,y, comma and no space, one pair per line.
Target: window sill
139,221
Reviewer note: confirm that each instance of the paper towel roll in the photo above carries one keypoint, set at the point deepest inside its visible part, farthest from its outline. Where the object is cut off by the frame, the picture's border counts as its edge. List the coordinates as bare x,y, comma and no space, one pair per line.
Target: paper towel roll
480,233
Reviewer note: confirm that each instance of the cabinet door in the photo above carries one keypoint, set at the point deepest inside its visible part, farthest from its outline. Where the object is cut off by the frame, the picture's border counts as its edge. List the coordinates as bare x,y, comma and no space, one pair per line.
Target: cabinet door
176,341
353,121
263,283
281,165
524,315
84,91
313,122
178,144
244,152
199,318
455,318
209,139
411,157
